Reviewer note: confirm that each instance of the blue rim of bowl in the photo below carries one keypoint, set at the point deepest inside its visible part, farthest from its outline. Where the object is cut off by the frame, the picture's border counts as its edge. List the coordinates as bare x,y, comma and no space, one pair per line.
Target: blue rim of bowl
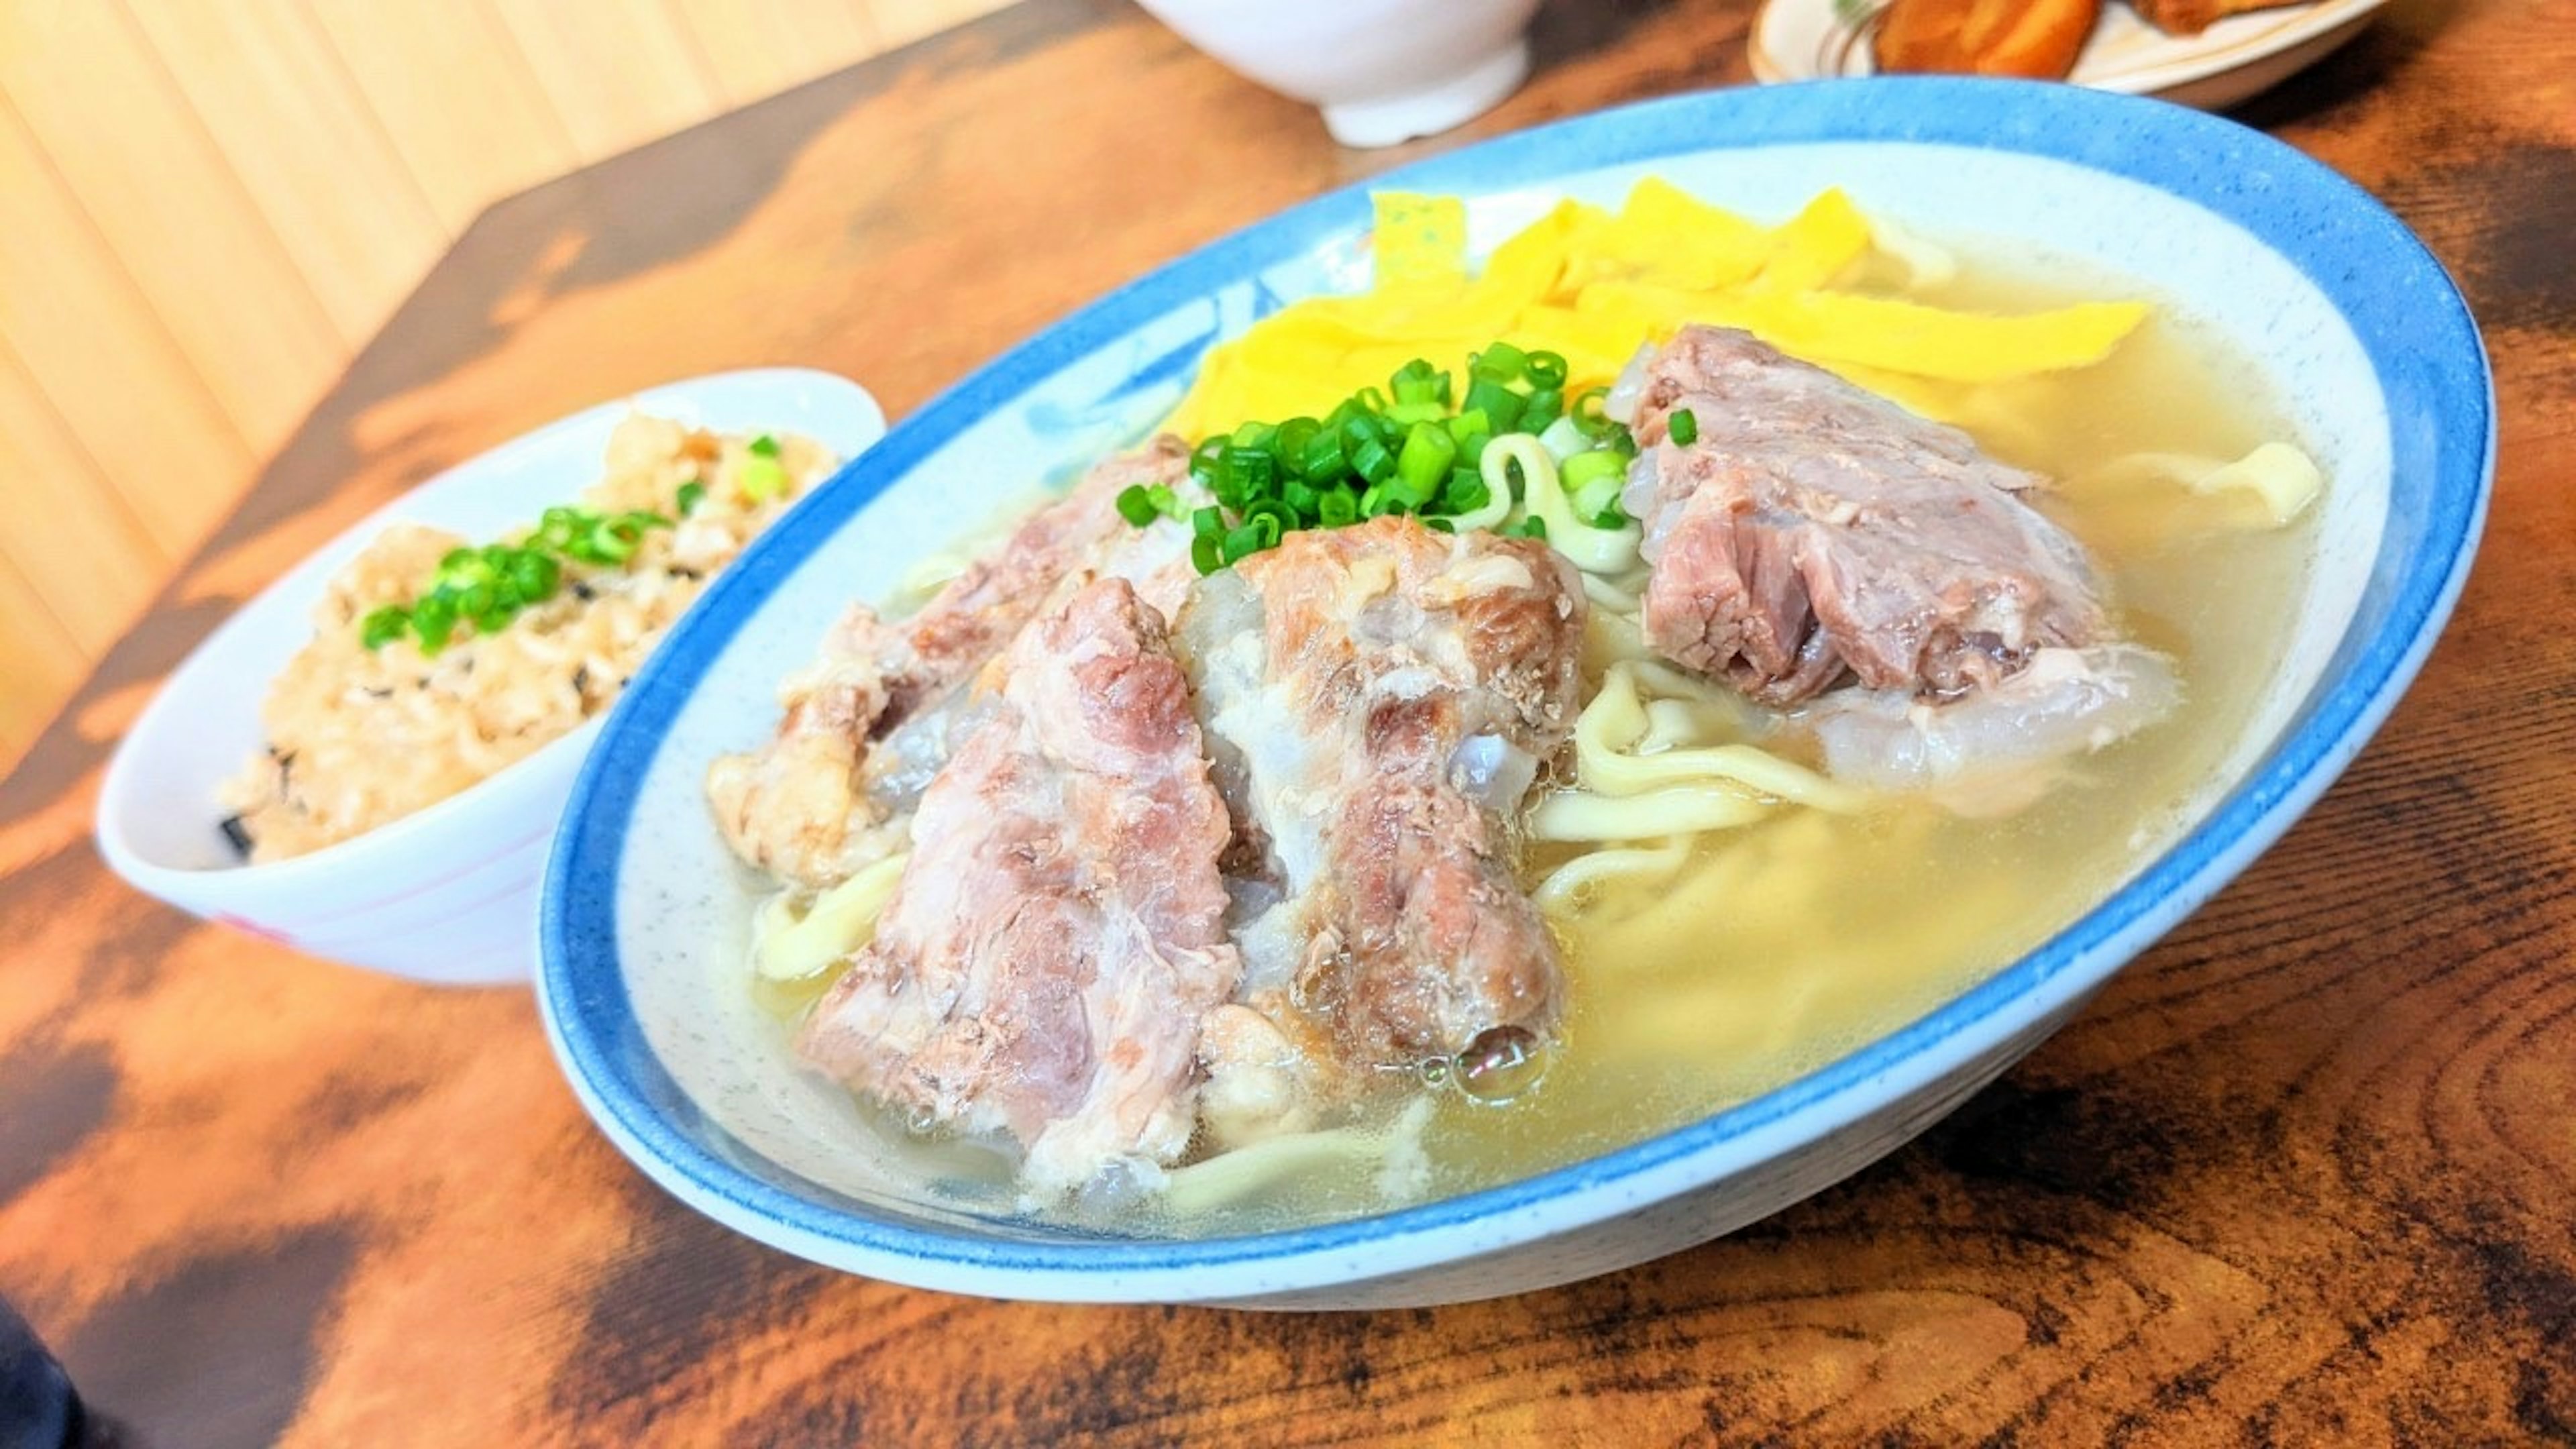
2414,328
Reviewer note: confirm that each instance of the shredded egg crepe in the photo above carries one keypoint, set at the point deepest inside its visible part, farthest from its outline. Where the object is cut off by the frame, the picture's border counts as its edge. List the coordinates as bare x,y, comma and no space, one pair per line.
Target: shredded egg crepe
1593,285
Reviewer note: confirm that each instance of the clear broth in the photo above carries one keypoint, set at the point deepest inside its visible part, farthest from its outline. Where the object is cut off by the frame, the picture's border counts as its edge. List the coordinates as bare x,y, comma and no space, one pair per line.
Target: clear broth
1788,944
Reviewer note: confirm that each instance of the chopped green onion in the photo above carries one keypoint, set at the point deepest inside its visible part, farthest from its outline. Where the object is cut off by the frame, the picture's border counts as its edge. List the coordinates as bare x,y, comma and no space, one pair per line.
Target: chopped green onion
1325,461
1289,444
1584,467
535,575
433,619
1591,413
1135,507
383,626
692,493
763,478
1428,453
1242,543
1397,449
764,446
1416,382
1684,425
488,587
1372,461
1500,405
1205,461
1500,361
1251,471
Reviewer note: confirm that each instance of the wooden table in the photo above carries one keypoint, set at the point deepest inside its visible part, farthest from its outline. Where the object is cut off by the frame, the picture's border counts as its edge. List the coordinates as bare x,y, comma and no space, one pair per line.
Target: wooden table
2304,1174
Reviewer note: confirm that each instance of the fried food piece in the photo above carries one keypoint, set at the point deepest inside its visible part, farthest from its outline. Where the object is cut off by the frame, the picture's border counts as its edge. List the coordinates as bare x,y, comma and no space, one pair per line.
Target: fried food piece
2037,39
2191,17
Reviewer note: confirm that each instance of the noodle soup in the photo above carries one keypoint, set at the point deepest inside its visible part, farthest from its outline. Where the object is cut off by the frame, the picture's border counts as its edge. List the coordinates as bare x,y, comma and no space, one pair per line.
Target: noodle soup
1785,915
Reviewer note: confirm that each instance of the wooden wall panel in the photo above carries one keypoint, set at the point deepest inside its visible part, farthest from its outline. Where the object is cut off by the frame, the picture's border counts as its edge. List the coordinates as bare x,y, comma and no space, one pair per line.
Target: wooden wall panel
756,48
619,72
90,553
114,125
210,205
106,361
466,114
35,650
293,128
900,22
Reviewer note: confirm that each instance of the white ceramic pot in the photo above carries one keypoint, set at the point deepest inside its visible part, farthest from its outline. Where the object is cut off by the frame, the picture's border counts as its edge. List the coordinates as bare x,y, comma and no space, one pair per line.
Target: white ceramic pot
1382,71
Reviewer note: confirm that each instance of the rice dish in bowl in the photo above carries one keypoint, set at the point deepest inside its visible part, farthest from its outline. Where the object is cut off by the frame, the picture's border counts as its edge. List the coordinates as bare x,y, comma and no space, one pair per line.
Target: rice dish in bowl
439,669
374,719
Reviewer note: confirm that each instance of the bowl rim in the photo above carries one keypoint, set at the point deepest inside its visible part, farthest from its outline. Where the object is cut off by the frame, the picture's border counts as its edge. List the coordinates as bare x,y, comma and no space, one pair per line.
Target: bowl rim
2412,316
392,840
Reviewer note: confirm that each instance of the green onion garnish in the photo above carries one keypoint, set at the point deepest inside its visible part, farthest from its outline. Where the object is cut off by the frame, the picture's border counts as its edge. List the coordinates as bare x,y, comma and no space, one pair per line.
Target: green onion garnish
1684,425
763,446
1135,507
1400,449
488,587
692,493
383,626
763,476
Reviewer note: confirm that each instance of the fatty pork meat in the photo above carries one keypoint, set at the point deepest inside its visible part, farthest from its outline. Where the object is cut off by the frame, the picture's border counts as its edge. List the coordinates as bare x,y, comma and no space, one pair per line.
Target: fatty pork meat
1042,969
1378,700
1814,537
872,718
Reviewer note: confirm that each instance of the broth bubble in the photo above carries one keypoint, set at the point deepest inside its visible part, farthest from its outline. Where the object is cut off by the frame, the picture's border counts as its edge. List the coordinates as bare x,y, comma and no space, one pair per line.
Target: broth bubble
1500,1064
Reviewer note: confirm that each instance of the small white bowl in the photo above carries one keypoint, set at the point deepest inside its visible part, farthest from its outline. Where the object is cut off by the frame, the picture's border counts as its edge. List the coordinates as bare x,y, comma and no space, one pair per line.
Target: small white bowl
1382,71
447,894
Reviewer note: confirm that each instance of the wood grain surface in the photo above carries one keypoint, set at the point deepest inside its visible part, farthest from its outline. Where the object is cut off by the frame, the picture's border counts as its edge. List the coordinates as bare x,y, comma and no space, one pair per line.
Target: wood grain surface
2304,1174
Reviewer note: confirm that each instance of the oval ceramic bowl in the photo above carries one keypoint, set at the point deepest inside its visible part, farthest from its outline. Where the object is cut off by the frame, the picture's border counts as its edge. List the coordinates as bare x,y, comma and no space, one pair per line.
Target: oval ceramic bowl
2378,368
447,894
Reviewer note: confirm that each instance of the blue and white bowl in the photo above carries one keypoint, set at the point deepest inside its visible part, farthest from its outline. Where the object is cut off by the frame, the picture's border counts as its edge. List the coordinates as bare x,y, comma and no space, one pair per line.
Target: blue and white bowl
2369,347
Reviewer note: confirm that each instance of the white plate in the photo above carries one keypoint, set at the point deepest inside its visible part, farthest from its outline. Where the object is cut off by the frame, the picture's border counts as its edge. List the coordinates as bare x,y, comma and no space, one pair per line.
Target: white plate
2231,60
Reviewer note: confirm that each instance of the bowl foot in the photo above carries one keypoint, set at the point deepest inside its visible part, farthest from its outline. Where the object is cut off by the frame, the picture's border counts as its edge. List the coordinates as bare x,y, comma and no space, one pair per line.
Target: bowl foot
1386,120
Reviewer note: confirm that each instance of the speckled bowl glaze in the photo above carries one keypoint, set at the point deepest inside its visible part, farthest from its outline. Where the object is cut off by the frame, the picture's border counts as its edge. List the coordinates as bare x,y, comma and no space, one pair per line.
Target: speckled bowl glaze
2373,356
447,894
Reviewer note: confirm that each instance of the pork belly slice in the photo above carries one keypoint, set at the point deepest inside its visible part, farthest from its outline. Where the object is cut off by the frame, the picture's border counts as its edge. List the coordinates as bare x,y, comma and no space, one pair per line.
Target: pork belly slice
1813,531
1378,700
1043,967
872,718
